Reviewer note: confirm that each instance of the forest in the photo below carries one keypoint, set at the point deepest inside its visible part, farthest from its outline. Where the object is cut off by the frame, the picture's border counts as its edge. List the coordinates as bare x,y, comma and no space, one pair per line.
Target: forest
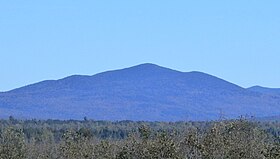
88,139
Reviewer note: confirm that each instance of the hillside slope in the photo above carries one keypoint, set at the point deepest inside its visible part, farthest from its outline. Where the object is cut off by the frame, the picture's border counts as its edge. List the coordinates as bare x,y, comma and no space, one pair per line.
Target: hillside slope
143,92
265,90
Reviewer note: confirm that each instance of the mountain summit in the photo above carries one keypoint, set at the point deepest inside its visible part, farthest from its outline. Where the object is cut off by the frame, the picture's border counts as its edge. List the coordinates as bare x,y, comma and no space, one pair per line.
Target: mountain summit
143,92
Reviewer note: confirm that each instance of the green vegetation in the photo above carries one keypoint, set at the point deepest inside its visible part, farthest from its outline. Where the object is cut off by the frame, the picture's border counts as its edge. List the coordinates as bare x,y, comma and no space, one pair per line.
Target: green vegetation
37,139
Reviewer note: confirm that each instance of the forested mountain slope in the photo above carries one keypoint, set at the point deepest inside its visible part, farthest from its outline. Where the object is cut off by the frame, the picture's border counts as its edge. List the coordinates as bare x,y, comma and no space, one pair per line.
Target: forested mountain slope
143,92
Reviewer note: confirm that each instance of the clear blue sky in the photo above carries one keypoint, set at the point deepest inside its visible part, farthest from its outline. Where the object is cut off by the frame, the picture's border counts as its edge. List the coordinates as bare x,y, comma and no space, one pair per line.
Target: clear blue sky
237,40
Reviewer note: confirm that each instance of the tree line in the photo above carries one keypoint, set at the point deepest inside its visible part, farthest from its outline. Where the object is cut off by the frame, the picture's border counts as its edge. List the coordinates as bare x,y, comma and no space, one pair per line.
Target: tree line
88,139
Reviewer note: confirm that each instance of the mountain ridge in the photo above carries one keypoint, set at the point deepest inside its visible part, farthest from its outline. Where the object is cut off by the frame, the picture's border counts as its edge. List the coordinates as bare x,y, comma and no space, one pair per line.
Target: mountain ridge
143,92
266,90
147,65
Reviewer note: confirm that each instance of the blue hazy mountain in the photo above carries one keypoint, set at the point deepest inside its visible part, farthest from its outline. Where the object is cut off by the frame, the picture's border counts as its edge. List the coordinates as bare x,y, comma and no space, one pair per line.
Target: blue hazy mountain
143,92
271,91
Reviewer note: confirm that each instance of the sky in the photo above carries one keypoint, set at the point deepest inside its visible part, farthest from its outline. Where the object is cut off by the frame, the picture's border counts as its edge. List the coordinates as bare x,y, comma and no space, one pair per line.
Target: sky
238,40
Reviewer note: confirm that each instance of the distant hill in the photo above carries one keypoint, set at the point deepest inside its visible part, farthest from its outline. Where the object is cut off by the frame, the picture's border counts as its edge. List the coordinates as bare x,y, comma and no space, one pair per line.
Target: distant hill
268,118
271,91
144,92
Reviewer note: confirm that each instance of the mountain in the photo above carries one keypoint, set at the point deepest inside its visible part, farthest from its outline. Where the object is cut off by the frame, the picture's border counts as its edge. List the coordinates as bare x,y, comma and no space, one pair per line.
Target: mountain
268,118
143,92
271,91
